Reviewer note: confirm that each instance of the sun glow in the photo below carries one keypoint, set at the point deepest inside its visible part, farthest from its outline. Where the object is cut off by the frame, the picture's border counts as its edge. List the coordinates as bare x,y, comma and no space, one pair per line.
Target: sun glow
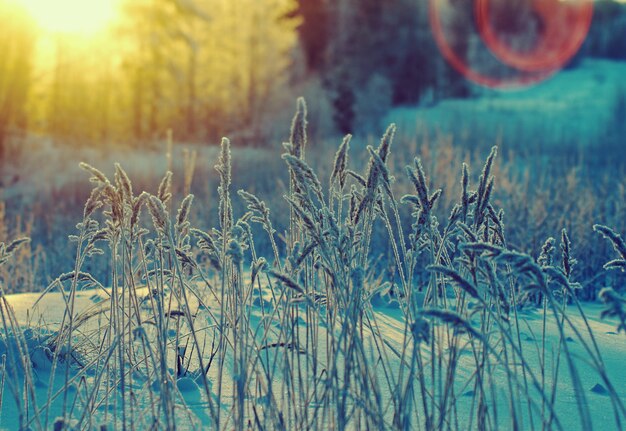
72,16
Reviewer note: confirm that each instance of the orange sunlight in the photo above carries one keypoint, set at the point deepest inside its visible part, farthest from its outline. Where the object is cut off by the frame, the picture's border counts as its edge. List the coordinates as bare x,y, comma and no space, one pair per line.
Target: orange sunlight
75,17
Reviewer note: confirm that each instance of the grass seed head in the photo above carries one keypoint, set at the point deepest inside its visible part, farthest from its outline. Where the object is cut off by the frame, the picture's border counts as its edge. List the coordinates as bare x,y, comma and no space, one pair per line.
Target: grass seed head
298,137
164,193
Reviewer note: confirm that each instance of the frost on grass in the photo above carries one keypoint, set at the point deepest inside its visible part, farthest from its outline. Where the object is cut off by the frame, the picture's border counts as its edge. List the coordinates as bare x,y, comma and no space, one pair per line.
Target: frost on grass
196,329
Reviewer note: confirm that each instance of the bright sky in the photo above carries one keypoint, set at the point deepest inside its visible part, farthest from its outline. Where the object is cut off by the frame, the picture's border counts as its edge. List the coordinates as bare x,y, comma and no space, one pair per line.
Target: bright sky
76,17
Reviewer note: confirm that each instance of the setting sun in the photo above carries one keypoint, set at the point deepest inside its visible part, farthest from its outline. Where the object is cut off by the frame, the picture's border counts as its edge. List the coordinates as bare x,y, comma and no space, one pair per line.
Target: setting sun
71,16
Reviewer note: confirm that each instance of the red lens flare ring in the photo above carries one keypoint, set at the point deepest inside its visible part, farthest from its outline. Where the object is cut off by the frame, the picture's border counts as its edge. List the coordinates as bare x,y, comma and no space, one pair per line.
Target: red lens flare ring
564,27
548,34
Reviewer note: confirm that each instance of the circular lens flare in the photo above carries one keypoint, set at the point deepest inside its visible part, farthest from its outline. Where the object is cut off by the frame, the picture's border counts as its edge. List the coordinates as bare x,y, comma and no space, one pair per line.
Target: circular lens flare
547,35
509,43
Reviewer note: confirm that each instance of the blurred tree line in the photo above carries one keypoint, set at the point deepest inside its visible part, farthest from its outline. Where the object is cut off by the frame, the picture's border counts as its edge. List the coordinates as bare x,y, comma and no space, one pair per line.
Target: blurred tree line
200,68
374,54
17,41
205,68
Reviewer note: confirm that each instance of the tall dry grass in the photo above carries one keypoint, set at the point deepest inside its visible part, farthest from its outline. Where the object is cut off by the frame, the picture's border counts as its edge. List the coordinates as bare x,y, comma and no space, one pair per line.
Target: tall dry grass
196,328
540,195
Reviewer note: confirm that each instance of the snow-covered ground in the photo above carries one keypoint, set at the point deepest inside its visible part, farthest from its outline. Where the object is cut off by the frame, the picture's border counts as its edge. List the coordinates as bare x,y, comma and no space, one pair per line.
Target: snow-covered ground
581,106
48,313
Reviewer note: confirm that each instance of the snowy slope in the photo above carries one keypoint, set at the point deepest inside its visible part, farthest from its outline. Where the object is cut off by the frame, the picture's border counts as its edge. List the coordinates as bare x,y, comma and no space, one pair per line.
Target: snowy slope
49,312
582,106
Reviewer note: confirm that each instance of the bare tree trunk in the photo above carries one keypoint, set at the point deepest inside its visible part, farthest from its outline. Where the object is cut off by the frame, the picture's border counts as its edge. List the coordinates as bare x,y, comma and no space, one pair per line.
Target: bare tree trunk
138,100
192,66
